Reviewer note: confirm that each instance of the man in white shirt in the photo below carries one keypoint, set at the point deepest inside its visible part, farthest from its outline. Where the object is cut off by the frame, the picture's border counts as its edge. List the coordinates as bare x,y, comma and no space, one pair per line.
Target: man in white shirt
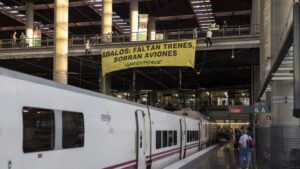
87,47
208,37
195,33
243,149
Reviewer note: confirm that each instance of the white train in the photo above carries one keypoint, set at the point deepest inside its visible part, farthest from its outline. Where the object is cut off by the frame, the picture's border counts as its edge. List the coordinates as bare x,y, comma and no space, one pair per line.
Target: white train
46,125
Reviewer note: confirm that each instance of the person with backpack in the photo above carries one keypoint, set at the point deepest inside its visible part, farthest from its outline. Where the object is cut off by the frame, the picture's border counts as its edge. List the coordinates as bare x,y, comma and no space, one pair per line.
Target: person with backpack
250,145
245,144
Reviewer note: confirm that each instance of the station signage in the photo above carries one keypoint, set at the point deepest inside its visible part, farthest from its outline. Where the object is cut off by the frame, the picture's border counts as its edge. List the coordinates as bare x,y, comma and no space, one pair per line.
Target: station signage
179,53
261,107
240,109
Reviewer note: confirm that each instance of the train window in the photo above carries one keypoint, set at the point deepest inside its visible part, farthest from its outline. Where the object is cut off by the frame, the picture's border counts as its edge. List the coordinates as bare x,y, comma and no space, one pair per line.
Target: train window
73,129
158,139
165,138
193,135
175,137
38,129
170,138
188,136
206,130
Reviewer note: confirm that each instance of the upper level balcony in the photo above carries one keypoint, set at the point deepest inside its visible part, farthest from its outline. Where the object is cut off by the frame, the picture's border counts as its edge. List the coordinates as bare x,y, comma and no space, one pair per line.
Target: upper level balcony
235,37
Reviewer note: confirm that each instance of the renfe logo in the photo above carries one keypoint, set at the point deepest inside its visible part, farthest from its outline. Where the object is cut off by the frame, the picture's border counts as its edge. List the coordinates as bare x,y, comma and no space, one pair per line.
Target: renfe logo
236,110
106,117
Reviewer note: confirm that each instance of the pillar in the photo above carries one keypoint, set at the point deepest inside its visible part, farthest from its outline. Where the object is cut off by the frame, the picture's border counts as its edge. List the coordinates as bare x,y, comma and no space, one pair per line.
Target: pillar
61,15
107,20
285,129
29,22
134,19
106,38
255,17
106,84
152,28
265,38
296,49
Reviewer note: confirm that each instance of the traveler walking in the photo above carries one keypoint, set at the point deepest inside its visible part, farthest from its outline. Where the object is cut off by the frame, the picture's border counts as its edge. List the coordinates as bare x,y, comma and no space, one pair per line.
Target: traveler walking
244,149
250,145
208,38
195,33
87,47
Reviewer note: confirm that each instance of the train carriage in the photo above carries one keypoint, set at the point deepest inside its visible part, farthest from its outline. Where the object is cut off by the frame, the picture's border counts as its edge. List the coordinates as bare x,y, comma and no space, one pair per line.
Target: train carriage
48,125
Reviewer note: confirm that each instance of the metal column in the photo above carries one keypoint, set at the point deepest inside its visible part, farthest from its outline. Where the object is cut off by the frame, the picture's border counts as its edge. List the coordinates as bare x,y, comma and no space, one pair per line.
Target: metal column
296,110
106,38
61,12
29,22
134,19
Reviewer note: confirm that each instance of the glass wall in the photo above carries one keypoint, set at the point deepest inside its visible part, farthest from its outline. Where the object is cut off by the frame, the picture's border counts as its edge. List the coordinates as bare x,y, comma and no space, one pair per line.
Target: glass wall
194,99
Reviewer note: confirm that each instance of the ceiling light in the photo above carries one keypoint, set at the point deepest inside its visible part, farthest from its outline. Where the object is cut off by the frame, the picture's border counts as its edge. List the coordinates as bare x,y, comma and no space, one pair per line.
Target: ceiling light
13,12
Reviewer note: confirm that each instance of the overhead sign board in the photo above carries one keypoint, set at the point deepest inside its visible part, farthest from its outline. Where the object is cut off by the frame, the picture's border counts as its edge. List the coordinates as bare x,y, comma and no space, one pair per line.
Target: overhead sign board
180,53
240,109
261,107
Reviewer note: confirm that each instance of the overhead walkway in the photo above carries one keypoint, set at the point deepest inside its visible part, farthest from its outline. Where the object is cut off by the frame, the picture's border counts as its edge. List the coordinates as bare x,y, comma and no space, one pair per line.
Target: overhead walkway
218,157
233,38
219,43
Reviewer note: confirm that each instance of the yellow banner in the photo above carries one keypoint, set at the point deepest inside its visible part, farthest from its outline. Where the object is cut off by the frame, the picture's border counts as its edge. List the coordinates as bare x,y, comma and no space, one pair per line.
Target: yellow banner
181,53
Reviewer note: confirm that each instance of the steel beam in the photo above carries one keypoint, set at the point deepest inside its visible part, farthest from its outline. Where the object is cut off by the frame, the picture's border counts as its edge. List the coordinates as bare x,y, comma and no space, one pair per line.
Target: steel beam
296,15
284,48
232,13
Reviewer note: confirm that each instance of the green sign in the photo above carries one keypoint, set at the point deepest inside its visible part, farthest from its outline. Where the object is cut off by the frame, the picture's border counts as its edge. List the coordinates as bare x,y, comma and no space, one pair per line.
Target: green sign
261,107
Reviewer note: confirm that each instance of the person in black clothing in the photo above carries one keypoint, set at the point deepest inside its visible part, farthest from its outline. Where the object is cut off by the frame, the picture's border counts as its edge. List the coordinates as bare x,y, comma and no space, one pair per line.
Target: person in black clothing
237,137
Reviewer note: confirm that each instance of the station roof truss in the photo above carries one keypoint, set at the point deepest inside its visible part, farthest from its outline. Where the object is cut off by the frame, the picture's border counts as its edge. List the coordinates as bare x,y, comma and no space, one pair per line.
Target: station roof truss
85,15
214,69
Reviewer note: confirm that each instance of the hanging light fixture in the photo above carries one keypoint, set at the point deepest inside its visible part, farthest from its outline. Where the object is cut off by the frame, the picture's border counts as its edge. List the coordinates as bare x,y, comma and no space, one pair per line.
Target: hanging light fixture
232,54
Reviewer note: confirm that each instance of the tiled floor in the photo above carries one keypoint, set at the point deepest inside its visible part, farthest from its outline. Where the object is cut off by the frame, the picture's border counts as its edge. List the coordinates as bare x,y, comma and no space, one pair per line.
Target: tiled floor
223,157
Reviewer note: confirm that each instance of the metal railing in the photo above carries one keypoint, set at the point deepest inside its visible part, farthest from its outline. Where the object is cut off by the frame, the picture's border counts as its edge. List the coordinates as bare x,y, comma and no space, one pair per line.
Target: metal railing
80,40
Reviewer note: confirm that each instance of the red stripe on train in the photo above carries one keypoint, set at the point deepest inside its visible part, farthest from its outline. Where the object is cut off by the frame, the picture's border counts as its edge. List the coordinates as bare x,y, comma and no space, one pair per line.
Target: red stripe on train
164,154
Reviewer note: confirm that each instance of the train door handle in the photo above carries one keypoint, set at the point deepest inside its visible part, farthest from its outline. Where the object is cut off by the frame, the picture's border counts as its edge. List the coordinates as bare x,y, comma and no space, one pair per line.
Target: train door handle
141,139
9,164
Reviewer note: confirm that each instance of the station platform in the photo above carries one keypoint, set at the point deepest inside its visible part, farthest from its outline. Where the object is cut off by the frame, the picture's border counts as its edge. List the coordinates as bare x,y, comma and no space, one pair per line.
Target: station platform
220,156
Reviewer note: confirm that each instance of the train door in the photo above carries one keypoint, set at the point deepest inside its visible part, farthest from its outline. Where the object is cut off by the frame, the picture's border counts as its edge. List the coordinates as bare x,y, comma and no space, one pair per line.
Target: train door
148,138
199,134
182,138
140,139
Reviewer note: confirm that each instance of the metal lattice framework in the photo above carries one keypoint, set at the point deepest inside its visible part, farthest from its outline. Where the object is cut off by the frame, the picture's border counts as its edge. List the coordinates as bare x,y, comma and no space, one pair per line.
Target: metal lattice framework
118,22
203,13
